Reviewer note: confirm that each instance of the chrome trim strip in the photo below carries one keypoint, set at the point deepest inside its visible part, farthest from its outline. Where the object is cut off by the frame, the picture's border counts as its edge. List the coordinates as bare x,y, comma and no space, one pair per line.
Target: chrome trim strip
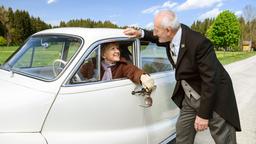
168,139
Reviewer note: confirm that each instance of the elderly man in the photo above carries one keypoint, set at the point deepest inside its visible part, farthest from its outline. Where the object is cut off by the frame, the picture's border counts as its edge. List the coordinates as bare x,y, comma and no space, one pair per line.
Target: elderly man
204,90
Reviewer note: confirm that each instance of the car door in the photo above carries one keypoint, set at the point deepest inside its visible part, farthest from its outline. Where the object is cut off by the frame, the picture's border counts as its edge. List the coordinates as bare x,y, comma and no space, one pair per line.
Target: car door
161,117
88,110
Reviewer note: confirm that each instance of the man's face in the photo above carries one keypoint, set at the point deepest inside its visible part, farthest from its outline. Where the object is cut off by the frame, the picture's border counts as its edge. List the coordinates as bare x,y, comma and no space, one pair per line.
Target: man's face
112,53
163,34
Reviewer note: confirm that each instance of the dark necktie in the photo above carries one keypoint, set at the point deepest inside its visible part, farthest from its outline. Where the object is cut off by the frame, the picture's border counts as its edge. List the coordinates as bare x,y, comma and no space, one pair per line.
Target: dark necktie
173,52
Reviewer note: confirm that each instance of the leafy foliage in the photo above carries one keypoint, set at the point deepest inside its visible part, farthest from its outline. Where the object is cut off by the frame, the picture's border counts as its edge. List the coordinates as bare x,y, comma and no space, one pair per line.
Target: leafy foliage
38,24
16,27
247,23
2,41
203,26
88,23
225,31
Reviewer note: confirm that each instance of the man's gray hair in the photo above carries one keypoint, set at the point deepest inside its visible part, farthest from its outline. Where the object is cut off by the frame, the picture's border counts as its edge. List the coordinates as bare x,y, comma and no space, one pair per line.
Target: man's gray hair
169,19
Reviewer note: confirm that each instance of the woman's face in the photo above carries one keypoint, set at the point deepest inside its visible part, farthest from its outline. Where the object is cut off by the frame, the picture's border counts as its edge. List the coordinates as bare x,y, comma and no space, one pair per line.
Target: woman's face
111,53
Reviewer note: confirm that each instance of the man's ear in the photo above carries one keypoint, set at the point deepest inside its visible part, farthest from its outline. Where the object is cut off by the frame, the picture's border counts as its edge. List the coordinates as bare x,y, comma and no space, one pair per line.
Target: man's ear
169,31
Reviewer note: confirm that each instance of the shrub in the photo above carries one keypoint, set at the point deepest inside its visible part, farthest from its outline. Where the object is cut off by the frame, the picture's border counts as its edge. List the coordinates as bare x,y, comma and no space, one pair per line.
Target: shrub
3,41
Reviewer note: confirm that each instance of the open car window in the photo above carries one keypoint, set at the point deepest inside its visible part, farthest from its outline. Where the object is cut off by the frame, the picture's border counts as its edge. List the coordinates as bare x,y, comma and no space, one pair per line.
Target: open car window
90,69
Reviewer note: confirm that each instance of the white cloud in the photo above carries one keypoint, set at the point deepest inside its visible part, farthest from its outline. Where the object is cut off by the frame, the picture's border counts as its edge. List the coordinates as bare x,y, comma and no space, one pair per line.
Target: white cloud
149,26
156,8
194,4
238,13
51,1
151,10
210,14
169,4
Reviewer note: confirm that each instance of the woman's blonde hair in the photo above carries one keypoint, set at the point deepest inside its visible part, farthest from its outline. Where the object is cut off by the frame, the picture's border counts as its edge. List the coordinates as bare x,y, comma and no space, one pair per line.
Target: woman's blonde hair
105,46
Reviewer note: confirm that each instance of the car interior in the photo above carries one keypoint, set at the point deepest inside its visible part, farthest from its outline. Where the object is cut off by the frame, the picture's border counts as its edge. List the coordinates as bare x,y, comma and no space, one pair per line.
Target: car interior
90,67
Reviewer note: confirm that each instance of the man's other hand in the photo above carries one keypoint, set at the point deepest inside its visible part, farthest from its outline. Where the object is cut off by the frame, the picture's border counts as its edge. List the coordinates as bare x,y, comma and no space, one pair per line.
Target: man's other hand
201,124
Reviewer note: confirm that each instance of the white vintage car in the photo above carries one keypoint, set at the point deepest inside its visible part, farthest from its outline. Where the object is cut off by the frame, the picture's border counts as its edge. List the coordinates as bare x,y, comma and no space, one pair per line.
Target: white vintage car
45,100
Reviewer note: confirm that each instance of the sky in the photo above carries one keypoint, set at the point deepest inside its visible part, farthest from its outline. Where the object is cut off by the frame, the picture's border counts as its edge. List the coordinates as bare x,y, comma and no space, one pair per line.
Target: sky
139,13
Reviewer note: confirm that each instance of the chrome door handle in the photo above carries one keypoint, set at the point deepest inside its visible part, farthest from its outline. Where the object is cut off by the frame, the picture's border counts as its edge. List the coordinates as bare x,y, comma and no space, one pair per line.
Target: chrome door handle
148,101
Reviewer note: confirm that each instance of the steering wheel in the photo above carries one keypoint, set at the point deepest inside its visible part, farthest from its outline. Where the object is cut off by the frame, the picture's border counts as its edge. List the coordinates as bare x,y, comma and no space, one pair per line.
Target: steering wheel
57,69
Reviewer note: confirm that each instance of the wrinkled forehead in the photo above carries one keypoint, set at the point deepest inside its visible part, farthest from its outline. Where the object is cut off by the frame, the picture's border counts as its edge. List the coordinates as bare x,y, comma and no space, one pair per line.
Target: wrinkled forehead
158,20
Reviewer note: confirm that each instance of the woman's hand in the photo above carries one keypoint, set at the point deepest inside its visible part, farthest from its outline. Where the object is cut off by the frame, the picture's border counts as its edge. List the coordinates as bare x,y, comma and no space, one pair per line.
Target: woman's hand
147,82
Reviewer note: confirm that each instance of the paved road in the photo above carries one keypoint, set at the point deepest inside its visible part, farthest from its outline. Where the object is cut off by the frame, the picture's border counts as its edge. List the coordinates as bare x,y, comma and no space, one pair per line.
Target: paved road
243,74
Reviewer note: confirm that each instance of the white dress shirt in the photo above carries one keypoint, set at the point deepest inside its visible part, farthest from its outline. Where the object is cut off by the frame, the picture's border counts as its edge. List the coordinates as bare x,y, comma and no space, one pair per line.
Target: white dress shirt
176,41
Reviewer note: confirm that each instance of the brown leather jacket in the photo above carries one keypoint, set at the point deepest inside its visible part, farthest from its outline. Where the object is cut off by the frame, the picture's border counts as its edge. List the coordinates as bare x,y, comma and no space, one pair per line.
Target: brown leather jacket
120,70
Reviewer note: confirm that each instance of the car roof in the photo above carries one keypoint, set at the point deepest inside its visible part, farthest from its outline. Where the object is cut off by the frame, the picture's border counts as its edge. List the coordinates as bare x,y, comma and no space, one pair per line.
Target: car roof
87,34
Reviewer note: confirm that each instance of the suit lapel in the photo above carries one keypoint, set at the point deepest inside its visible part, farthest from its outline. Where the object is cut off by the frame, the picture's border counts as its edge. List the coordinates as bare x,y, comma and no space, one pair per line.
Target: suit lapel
169,55
183,47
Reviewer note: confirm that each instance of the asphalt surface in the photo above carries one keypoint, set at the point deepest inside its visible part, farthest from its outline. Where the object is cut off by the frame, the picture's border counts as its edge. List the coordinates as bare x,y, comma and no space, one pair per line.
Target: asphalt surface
243,74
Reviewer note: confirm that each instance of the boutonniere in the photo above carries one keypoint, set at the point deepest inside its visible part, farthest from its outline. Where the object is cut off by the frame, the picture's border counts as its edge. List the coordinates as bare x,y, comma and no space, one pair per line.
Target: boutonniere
182,45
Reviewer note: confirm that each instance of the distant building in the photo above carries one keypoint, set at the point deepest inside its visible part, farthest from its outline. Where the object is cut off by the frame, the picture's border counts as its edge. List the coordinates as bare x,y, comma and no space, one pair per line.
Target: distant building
247,46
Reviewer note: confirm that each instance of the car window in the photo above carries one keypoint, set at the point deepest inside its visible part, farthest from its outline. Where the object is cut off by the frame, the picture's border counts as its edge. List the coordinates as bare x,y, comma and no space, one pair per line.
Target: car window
91,71
153,58
45,56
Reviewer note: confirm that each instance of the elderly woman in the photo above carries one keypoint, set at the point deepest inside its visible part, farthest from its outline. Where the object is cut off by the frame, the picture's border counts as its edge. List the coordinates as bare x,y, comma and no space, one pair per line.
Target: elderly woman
113,66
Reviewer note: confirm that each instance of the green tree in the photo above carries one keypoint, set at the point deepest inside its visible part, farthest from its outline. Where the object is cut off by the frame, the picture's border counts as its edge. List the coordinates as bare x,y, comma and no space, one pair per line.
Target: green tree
4,21
243,31
38,25
22,25
225,31
10,28
16,26
2,29
253,31
203,26
88,23
62,24
249,14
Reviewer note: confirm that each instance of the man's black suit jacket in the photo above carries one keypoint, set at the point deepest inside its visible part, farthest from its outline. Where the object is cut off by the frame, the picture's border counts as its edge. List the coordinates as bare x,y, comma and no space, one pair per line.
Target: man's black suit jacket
198,65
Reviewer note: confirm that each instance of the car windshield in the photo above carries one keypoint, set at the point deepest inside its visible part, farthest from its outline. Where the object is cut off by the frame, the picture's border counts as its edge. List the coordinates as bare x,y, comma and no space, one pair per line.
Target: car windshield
44,56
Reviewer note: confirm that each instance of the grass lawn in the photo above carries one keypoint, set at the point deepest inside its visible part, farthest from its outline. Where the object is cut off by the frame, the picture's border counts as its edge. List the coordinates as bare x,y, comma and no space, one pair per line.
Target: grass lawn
224,57
229,57
5,52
